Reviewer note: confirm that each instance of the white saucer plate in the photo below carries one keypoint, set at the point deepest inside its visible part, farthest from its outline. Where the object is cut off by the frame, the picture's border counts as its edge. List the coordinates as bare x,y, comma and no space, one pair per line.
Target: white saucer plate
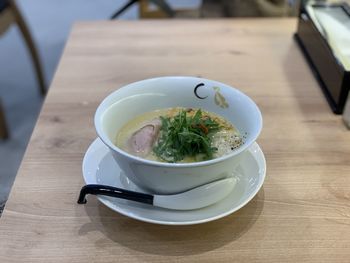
99,167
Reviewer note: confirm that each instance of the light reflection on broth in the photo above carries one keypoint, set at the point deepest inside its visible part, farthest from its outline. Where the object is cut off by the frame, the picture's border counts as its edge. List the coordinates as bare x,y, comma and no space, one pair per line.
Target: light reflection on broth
157,138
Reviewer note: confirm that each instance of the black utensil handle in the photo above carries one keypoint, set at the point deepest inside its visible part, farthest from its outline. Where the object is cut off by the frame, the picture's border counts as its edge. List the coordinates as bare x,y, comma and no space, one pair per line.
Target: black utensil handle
99,189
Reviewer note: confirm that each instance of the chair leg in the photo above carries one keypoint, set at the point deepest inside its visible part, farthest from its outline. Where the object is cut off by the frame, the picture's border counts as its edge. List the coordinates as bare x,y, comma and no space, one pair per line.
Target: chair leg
4,134
30,44
121,10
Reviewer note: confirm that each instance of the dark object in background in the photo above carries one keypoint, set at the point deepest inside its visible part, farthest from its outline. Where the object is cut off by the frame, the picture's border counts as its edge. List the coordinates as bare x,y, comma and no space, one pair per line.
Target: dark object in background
249,8
3,4
4,134
328,70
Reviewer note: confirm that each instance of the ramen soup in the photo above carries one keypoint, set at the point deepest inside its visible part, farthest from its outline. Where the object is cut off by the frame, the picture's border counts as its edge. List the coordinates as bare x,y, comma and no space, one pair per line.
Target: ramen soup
178,135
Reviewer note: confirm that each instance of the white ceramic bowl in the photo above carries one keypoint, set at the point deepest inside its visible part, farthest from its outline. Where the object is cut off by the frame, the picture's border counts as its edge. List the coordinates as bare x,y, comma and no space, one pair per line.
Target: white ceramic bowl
147,95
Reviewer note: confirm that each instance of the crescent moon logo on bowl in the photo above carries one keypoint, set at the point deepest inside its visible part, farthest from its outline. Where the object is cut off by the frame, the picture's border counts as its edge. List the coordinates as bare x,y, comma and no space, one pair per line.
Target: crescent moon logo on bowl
196,90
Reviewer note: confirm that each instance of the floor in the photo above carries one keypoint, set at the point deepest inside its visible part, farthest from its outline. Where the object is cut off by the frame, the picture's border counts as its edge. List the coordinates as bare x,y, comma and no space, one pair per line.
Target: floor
50,23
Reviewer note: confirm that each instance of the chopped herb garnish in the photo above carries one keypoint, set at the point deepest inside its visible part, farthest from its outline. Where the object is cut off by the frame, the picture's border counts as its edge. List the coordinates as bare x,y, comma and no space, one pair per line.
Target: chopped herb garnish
183,135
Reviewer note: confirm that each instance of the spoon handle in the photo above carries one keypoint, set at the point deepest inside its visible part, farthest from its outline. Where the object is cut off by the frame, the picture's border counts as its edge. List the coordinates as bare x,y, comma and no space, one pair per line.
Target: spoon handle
99,189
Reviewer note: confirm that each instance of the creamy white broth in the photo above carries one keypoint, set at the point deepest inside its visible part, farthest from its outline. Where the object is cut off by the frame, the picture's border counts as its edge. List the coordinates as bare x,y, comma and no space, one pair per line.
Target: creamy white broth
225,140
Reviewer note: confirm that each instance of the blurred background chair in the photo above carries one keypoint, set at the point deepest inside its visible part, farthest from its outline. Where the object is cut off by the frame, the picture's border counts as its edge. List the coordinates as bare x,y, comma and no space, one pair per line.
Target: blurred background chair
164,9
214,9
10,14
157,9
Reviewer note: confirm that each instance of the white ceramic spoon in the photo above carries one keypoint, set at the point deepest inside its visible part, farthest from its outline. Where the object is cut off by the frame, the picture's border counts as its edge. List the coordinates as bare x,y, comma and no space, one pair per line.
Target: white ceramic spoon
195,198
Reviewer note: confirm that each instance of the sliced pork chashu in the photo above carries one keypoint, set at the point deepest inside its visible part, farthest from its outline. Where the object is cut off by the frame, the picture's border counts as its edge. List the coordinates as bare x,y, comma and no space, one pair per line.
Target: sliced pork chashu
141,142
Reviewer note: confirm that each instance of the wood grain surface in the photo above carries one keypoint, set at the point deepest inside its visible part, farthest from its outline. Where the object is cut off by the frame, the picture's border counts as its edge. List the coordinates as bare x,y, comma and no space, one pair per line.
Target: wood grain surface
301,214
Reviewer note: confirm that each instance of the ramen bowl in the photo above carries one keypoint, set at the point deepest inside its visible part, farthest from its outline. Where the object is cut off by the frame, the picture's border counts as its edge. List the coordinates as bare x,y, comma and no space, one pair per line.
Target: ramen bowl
148,95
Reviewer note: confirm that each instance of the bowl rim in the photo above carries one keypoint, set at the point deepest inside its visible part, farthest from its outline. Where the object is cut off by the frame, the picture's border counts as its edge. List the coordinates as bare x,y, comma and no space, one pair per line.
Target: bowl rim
105,139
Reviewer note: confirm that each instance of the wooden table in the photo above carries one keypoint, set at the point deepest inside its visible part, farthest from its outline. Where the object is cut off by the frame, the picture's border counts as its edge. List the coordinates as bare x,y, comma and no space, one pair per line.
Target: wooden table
302,213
